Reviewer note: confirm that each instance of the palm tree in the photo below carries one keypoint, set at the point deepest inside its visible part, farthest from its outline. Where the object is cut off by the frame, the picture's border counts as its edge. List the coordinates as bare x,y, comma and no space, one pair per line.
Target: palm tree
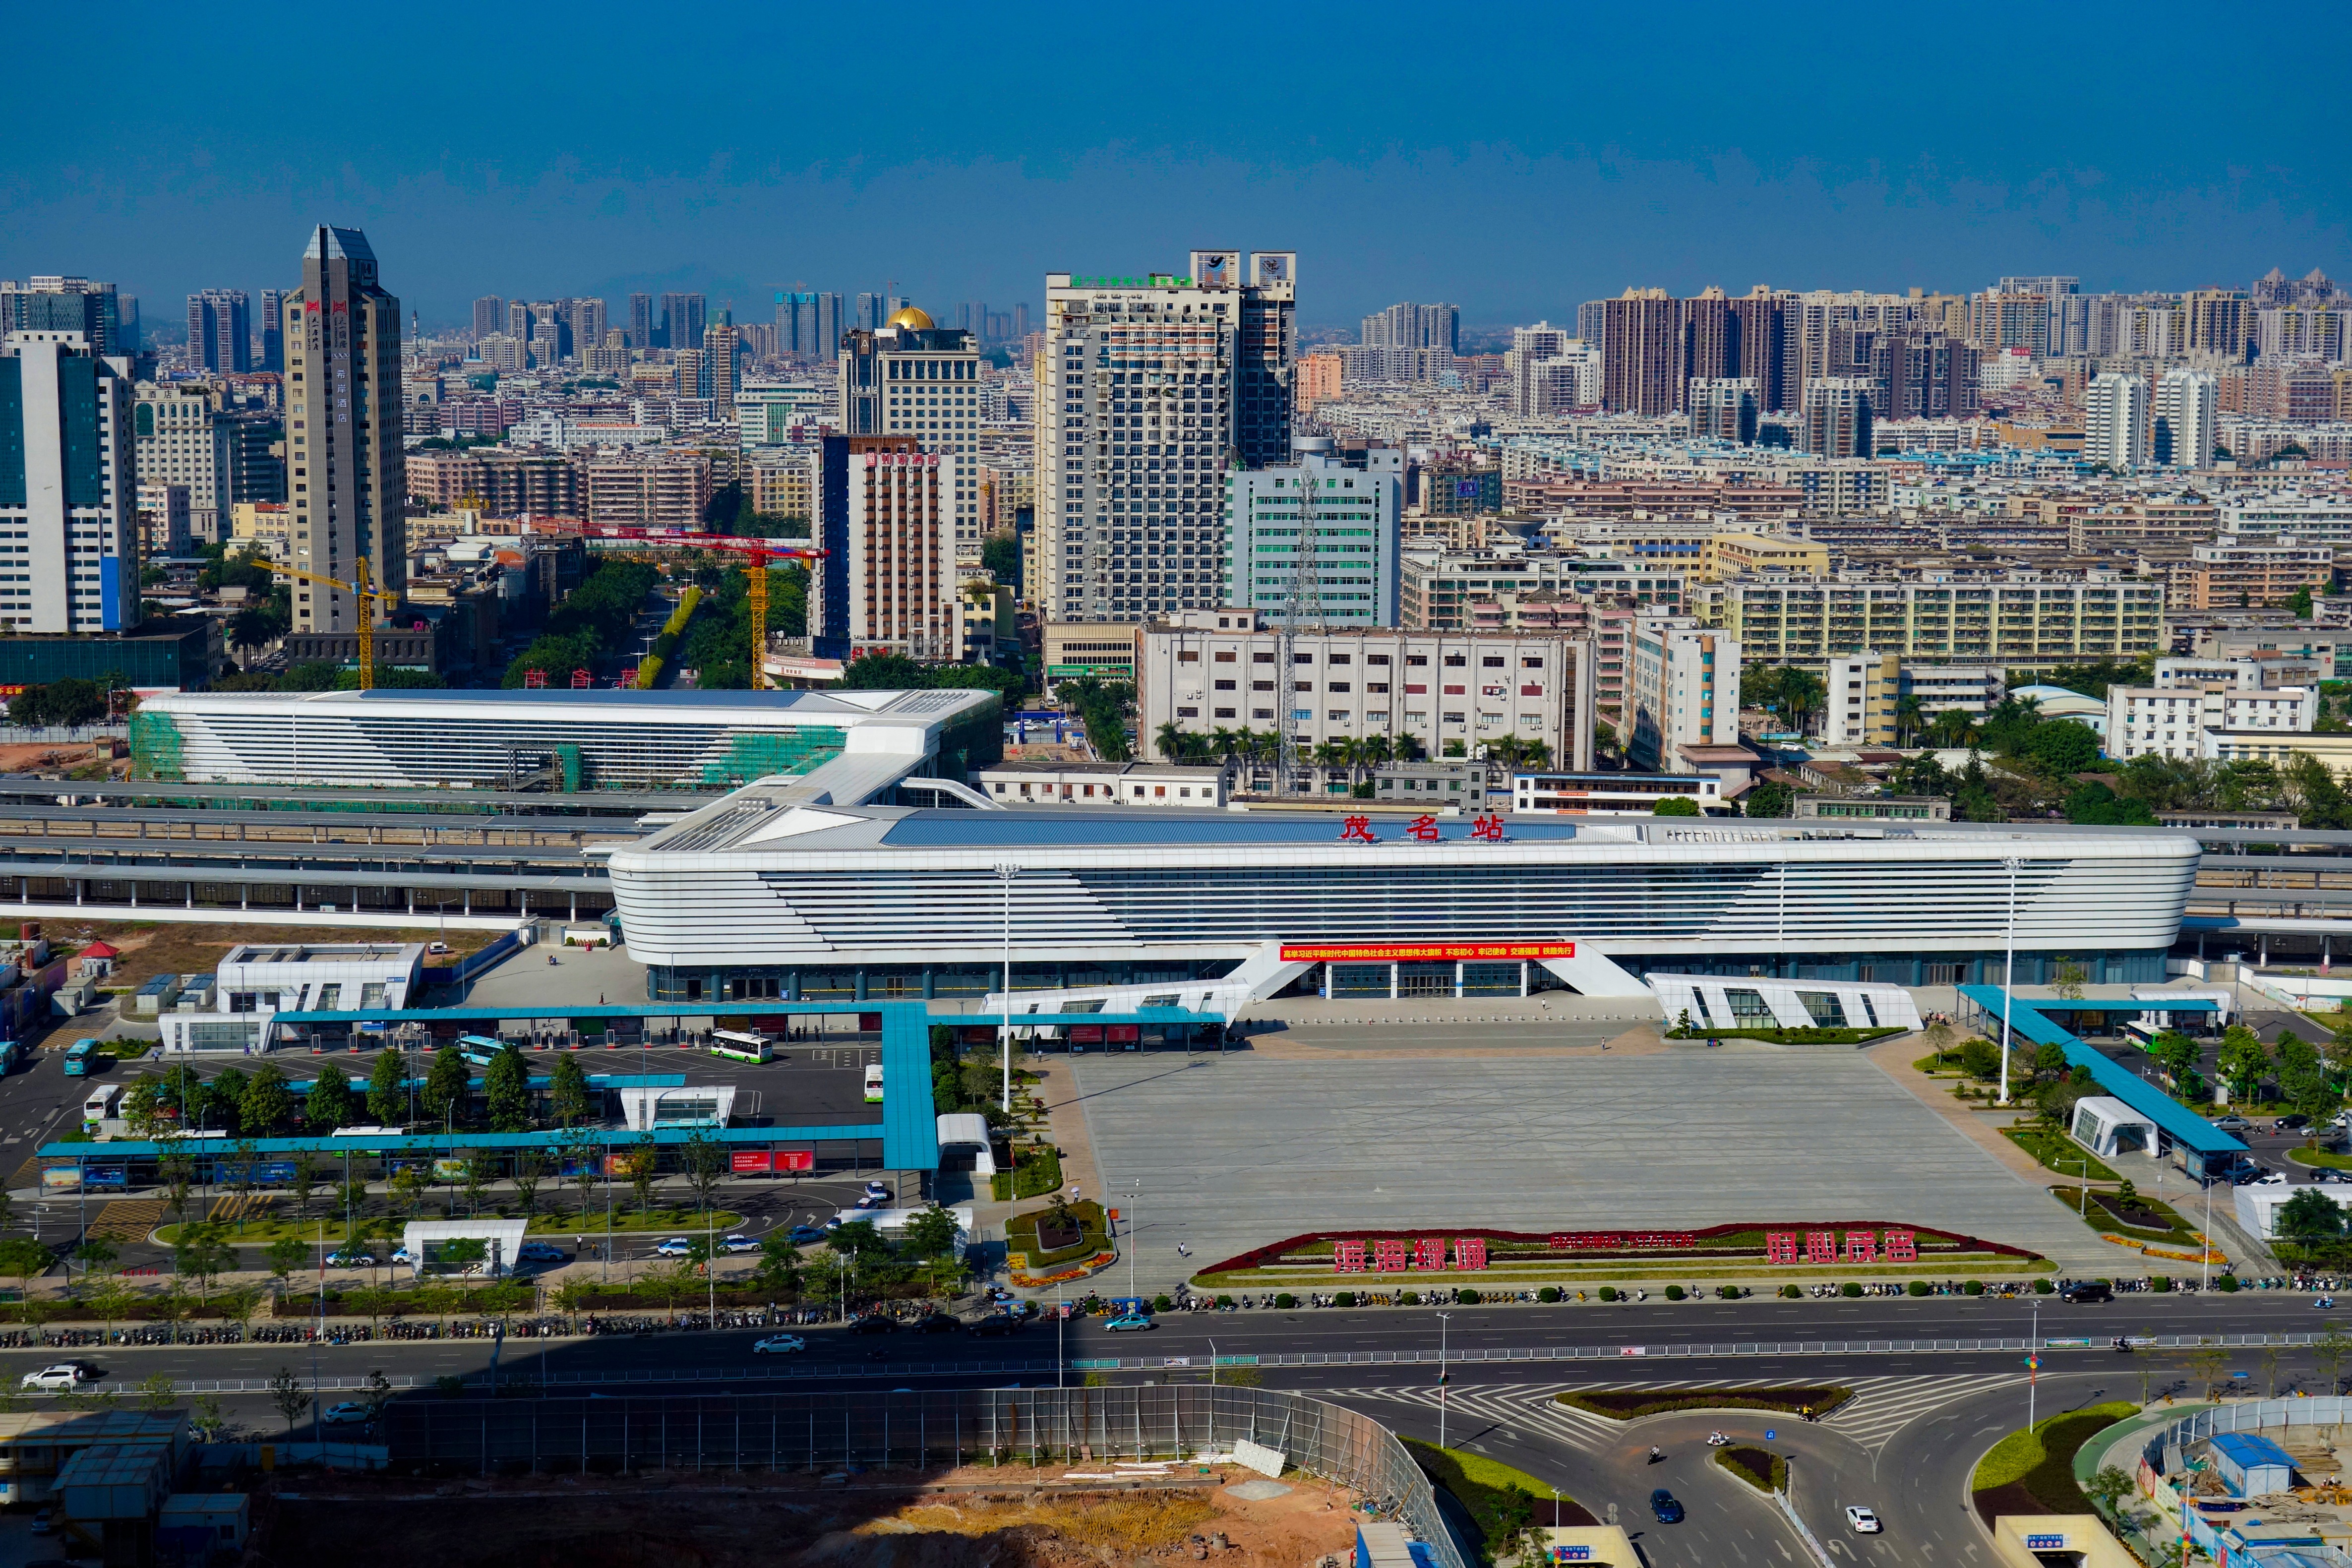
1910,717
1409,749
1170,741
1952,727
1221,741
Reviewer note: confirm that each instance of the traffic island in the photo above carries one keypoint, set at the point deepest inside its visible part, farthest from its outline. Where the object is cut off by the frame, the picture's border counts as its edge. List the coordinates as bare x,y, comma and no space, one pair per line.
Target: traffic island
1760,1468
2141,1223
1808,1402
1503,1504
2033,1470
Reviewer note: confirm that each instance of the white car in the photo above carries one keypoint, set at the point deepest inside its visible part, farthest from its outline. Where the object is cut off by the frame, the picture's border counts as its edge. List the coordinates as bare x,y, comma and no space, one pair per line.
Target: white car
346,1414
63,1377
2270,1179
1861,1520
877,1190
350,1257
675,1247
779,1344
738,1243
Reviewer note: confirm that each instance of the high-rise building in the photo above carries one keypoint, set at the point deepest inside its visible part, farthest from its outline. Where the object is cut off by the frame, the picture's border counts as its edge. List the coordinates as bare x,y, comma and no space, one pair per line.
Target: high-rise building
273,330
584,325
1685,693
972,317
1021,322
489,316
1758,315
1641,353
808,325
66,305
912,378
888,582
69,487
722,353
220,330
869,315
2114,422
1837,418
2221,322
1148,389
1409,326
641,321
1349,503
2187,420
1724,409
681,320
343,458
1711,342
1922,375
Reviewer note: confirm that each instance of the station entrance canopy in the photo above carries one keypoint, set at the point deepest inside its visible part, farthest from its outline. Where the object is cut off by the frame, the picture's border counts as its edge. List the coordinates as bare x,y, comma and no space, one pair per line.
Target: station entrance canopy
2183,1126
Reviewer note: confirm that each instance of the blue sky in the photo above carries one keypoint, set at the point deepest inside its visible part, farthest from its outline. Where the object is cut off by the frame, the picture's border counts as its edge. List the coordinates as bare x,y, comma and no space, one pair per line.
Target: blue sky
1514,159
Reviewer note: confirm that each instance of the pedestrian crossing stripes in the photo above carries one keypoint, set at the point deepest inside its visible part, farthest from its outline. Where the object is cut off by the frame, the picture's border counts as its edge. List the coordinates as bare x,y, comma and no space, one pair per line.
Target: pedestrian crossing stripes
1881,1406
128,1219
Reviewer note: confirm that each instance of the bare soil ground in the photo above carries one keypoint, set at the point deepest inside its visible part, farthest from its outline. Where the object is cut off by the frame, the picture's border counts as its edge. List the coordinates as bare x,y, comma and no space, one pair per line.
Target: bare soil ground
788,1521
187,948
23,757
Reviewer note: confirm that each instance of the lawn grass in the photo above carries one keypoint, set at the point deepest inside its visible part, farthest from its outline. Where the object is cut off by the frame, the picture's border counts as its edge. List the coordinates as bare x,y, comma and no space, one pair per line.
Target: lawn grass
1573,1276
2320,1157
2178,1231
1500,1500
1937,1064
1020,1234
1821,1399
2049,1146
2042,1458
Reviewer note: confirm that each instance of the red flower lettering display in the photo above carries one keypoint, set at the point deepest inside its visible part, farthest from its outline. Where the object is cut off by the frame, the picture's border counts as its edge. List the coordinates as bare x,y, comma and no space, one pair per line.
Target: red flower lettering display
1469,1252
1779,1246
1348,1257
1429,1254
1390,1257
1820,1246
1902,1247
1861,1246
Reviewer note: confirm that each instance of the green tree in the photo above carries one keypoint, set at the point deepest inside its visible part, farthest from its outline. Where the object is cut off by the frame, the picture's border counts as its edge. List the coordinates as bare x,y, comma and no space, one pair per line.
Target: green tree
284,1255
24,1260
267,1107
644,1169
2067,981
328,1104
288,1396
1769,799
96,1255
2059,746
529,1169
567,1092
2311,1218
506,1089
447,1085
2109,1487
1981,1059
203,1255
2243,1061
2097,805
705,1162
387,1089
780,1263
1676,806
2175,1052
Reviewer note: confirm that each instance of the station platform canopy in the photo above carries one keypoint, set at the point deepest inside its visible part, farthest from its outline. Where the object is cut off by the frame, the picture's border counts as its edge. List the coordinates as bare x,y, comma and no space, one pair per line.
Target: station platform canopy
2026,1018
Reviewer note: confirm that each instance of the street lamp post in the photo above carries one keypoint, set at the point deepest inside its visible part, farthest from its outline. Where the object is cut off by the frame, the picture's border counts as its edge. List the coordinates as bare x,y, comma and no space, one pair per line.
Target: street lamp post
1134,1203
1445,1321
1004,872
2008,976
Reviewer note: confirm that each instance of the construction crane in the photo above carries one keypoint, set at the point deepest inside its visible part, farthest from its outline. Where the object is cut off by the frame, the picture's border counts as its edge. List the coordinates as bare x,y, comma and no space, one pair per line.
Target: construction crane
760,551
368,599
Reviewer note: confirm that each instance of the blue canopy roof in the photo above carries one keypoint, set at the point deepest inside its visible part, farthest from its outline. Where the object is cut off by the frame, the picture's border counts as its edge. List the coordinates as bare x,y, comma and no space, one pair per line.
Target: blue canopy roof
2178,1122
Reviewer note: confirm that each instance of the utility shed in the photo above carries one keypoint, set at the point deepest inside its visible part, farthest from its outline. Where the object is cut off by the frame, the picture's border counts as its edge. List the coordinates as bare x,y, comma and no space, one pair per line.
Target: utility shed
201,1524
114,1480
2252,1465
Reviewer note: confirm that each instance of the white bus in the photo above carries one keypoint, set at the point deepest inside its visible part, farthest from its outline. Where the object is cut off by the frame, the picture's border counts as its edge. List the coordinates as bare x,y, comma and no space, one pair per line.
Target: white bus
736,1045
104,1102
874,1084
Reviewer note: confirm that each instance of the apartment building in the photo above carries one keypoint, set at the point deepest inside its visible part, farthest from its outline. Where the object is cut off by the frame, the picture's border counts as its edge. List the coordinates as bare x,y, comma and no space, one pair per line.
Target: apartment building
2153,530
1604,620
779,484
68,486
888,582
1684,697
1726,555
345,450
2173,717
1322,527
1437,590
912,378
2014,618
647,490
1449,694
1942,688
497,484
2235,575
1863,691
2312,519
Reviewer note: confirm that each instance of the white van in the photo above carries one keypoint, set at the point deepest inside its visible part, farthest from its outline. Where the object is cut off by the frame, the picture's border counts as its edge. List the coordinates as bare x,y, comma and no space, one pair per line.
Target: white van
874,1084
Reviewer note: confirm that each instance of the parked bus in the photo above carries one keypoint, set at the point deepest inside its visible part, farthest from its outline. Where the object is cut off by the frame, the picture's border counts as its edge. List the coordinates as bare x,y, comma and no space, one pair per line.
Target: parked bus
874,1084
478,1049
81,1058
736,1045
2136,1032
105,1101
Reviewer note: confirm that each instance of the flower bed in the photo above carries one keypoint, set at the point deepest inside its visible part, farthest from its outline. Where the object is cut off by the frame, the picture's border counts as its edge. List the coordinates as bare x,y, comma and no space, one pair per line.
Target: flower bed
1760,1468
1819,1399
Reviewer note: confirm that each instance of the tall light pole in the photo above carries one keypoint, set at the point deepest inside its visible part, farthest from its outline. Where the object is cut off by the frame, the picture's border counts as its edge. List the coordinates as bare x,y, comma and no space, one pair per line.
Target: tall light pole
1444,1321
1004,1036
1135,1200
2008,976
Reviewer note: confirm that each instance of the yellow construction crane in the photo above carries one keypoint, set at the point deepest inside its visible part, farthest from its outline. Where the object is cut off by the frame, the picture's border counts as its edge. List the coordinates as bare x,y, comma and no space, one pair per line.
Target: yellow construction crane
368,599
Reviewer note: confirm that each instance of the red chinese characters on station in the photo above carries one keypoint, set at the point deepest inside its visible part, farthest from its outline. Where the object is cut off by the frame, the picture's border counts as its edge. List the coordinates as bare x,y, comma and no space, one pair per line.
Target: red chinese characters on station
1779,1246
1861,1246
1820,1246
1423,829
1359,828
1469,1252
1429,1254
1391,1257
1348,1257
1487,829
1902,1247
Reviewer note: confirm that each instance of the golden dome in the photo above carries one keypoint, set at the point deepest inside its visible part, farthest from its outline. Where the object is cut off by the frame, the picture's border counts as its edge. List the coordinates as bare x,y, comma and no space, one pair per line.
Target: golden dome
909,316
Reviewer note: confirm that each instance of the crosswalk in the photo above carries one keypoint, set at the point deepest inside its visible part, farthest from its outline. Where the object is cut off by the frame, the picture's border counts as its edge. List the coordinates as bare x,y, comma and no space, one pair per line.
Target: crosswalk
1881,1406
128,1219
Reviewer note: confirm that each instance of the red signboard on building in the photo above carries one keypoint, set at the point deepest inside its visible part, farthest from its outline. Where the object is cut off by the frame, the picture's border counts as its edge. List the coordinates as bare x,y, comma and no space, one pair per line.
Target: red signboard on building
749,1161
1417,953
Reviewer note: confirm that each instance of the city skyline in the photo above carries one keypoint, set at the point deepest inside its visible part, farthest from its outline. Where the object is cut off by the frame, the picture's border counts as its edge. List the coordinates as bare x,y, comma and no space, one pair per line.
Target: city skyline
1659,167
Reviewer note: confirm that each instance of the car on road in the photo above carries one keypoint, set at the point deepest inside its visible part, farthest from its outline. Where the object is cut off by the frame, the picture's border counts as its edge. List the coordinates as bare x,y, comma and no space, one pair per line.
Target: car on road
2294,1123
877,1190
1861,1520
736,1244
65,1376
940,1323
351,1412
2233,1122
45,1523
801,1235
873,1200
1663,1507
673,1247
991,1328
401,1256
539,1252
2327,1174
2088,1290
779,1344
352,1257
2269,1179
874,1323
1127,1320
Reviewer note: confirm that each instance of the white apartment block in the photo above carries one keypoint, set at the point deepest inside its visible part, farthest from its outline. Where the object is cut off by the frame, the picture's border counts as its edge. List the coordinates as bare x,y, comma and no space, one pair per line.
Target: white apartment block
1349,513
2187,419
1859,709
181,440
2016,618
1435,689
1942,688
2114,422
1685,692
912,378
2318,520
1103,784
68,497
2178,720
893,590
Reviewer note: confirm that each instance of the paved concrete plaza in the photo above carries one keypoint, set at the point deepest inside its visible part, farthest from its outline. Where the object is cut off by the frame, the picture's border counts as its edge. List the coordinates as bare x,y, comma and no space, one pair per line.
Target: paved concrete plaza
1235,1151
